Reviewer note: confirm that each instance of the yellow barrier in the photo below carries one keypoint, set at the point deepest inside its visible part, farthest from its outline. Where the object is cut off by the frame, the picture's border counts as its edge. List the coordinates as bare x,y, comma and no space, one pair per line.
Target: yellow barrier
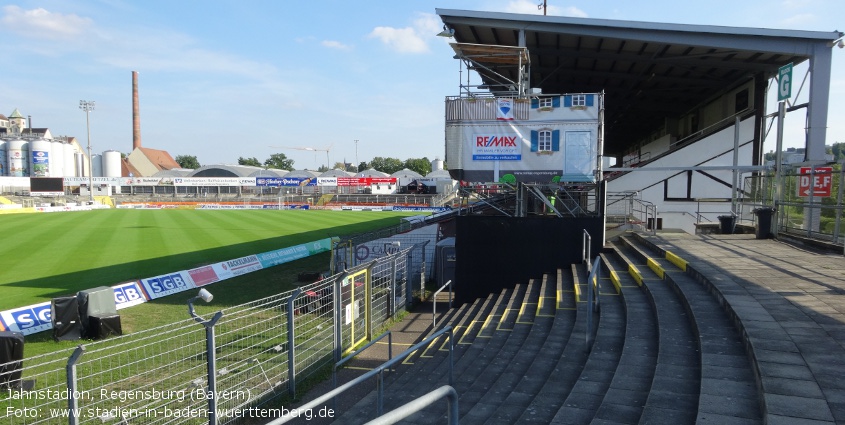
614,278
655,267
678,261
635,274
6,201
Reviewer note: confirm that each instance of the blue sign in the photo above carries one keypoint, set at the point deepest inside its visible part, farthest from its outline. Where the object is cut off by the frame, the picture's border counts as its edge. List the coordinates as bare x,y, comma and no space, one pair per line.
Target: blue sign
127,295
35,318
164,285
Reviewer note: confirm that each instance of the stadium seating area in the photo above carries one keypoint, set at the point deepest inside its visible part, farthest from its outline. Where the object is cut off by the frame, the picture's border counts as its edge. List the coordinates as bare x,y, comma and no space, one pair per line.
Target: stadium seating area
672,343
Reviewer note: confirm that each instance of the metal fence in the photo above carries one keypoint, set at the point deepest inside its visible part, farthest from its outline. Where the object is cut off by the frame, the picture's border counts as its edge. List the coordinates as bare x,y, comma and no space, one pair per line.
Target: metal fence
254,353
817,217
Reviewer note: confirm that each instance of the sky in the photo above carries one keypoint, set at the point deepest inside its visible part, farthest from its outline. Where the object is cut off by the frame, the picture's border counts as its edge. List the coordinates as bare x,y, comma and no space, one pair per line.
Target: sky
221,80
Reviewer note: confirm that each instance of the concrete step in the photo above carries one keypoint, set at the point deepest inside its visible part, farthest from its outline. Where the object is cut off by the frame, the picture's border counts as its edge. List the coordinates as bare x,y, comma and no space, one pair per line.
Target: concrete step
593,383
675,389
567,367
728,385
629,388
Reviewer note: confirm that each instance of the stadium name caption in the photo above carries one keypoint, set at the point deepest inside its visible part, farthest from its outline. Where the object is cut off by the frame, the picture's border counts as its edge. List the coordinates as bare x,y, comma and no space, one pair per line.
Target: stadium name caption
127,395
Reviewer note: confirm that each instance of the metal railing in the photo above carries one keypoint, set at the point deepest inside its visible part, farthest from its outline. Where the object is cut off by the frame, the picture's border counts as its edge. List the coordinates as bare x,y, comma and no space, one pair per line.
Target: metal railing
592,299
379,372
447,391
586,241
434,302
346,359
261,350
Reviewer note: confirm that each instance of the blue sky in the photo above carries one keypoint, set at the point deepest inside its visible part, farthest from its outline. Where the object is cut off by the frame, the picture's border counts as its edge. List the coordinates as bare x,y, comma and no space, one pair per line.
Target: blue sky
222,80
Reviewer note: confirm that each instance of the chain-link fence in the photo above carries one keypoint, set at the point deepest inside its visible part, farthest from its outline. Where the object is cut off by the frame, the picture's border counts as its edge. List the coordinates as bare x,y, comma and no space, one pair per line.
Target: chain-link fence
214,368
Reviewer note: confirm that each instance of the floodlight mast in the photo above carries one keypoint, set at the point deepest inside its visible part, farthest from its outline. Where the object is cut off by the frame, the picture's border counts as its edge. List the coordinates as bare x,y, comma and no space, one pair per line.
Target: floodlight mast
88,106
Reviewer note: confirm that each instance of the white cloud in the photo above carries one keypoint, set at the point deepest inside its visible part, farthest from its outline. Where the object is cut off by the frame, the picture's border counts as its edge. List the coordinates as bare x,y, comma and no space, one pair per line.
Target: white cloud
41,23
533,7
412,39
332,44
799,20
403,40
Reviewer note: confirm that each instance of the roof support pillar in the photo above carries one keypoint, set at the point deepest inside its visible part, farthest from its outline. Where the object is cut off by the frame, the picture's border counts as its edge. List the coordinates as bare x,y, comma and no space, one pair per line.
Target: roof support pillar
820,64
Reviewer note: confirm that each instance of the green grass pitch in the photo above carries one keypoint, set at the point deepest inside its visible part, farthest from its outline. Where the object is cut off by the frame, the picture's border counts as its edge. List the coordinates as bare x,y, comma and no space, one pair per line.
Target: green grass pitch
43,256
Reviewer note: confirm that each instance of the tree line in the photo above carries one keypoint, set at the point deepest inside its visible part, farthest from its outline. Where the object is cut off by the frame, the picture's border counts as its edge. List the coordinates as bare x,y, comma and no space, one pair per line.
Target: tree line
282,162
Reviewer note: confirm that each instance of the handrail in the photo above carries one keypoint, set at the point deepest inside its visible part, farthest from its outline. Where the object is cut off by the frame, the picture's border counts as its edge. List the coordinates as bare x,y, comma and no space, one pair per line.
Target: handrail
434,302
377,371
420,403
586,241
593,277
359,351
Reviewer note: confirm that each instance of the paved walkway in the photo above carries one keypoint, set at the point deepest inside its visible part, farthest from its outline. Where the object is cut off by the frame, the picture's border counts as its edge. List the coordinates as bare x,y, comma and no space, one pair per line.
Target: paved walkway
791,303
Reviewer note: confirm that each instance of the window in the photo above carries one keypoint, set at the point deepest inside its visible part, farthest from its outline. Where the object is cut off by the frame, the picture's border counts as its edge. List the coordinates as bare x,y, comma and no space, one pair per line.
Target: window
579,100
545,102
544,141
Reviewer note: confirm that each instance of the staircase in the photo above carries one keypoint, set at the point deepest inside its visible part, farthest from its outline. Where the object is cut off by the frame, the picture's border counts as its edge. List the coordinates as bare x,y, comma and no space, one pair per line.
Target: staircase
670,345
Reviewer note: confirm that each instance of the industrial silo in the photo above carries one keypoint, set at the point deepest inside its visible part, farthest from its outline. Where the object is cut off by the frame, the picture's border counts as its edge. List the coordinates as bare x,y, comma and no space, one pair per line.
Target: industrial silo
437,164
79,165
57,160
97,165
41,152
111,164
4,170
18,156
69,168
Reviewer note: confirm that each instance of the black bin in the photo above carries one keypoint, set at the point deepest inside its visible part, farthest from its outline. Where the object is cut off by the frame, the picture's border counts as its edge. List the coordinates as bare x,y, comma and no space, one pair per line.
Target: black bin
727,224
764,222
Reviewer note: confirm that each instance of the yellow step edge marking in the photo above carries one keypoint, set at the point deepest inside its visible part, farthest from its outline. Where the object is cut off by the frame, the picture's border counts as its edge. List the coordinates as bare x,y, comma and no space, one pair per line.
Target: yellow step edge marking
484,326
519,317
502,322
678,261
614,278
577,293
471,324
540,307
408,344
632,270
655,267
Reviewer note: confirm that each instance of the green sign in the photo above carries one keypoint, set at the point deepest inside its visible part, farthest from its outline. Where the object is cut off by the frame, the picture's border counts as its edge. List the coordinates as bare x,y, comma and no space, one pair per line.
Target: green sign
784,82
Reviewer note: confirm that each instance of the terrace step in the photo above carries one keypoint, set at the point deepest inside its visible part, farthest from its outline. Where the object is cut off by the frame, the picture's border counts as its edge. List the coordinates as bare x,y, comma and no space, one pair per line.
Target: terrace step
675,389
626,397
593,383
728,386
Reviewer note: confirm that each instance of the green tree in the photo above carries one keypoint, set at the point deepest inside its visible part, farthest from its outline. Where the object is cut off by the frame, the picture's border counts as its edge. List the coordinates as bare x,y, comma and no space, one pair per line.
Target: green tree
188,161
322,169
420,165
362,166
279,161
249,161
387,165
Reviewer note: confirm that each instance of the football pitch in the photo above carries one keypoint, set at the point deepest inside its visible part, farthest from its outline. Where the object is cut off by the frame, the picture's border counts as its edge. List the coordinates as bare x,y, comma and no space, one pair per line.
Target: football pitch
46,255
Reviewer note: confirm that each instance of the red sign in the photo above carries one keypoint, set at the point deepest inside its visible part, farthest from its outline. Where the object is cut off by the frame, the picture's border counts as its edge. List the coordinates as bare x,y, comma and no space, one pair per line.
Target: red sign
364,181
821,179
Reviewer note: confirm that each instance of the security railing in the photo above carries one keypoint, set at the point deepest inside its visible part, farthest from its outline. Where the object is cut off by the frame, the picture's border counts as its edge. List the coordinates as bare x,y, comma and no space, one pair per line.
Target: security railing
379,373
166,375
434,302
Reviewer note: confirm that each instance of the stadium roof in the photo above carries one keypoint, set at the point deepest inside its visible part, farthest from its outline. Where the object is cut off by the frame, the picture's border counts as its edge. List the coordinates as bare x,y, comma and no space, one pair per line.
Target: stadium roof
648,71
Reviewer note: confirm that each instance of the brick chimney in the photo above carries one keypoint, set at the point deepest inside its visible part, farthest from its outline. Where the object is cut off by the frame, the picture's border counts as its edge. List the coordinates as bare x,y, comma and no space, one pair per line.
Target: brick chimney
136,113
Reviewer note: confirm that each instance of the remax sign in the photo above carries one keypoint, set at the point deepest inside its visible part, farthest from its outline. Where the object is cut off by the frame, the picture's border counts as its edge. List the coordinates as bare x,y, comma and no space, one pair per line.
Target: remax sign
496,147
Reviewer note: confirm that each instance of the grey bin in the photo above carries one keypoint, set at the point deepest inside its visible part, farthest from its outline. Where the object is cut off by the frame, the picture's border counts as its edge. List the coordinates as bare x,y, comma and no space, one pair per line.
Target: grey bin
764,222
727,224
445,261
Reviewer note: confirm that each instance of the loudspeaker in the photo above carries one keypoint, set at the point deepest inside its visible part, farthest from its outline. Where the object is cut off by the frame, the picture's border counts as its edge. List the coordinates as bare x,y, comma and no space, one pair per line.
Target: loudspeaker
65,318
100,327
95,302
11,359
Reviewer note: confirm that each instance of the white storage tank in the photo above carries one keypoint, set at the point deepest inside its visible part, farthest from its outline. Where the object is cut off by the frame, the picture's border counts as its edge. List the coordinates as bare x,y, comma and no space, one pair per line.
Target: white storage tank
437,164
41,152
69,169
97,165
79,164
17,152
57,160
111,164
4,170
